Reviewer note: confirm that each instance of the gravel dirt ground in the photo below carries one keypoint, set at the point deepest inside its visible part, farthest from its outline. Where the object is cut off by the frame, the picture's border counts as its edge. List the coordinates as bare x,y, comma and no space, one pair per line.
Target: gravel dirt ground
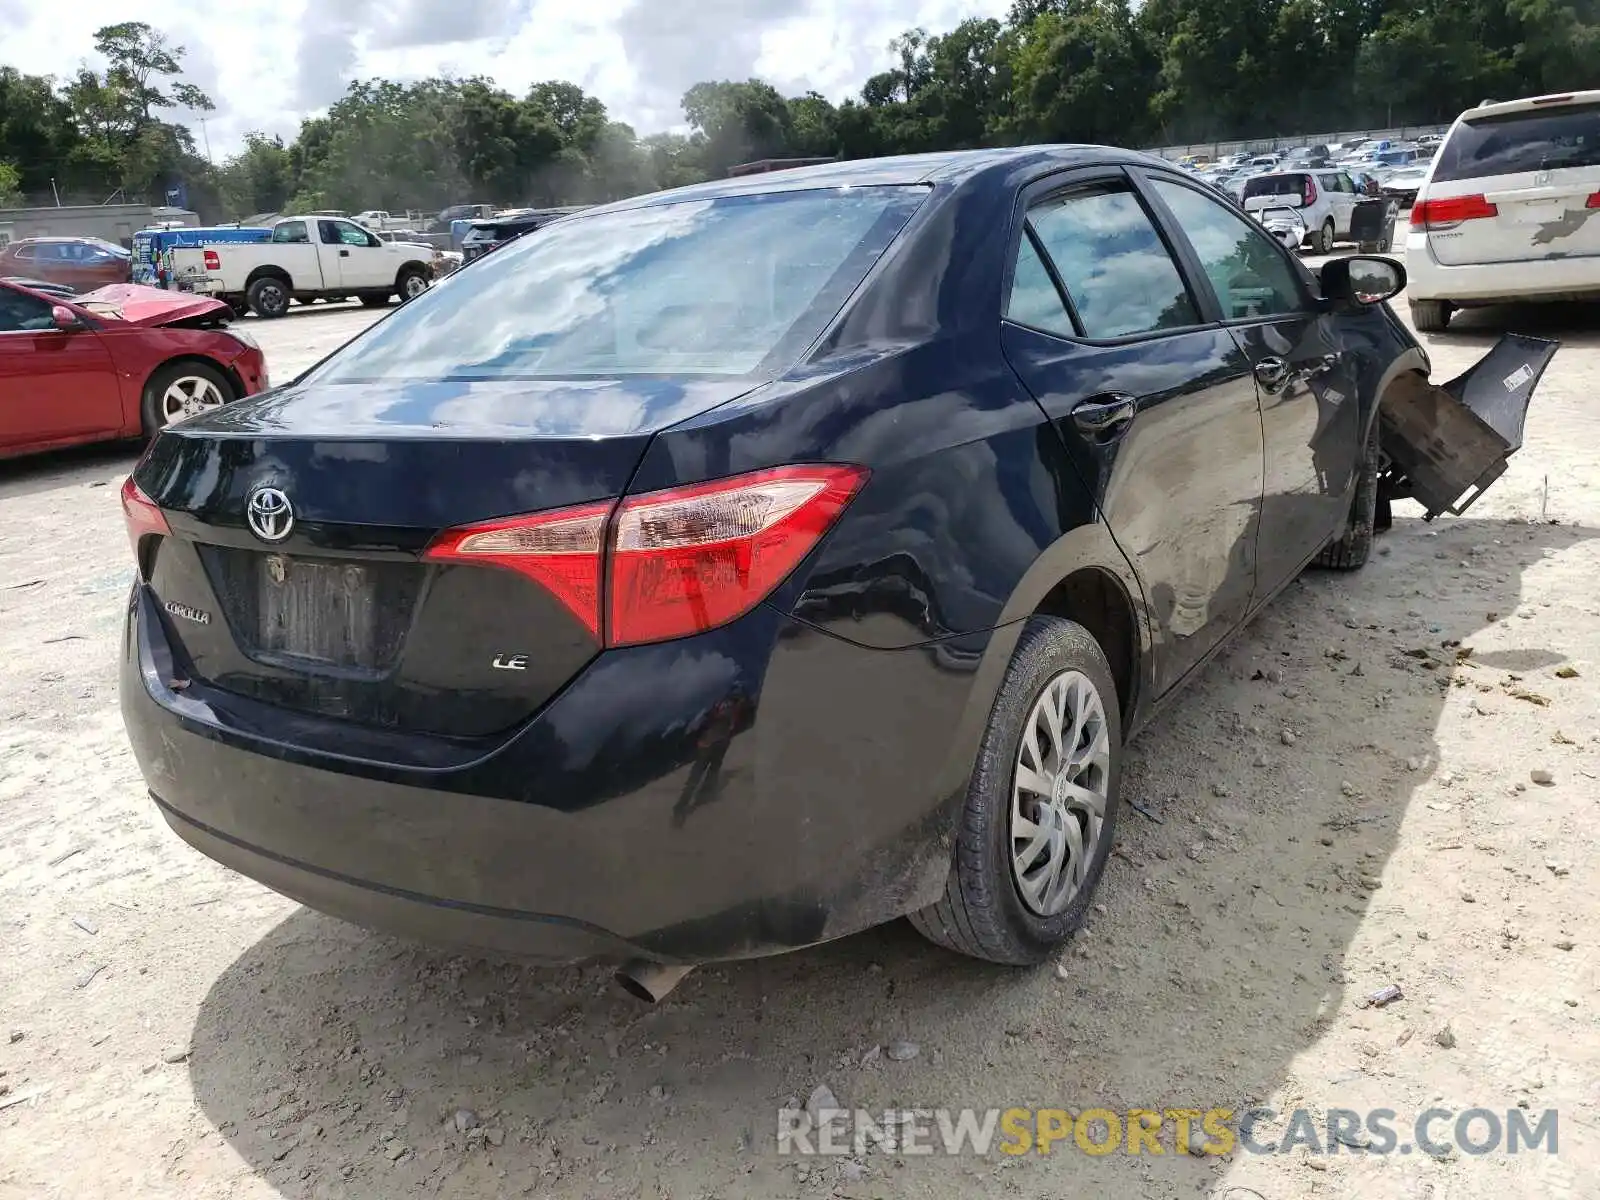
1346,800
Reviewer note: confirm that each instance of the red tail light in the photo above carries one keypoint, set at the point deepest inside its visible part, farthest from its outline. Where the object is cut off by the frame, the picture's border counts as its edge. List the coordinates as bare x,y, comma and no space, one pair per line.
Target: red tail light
143,517
1594,201
1309,196
1431,214
561,551
213,260
674,562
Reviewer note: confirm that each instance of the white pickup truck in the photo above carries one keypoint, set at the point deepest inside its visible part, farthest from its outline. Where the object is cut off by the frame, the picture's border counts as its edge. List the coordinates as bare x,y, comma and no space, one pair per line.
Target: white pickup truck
307,258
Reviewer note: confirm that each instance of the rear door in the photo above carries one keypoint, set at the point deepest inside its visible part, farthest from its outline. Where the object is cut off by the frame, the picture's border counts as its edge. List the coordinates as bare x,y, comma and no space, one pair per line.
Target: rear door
1310,411
295,249
1516,185
1155,406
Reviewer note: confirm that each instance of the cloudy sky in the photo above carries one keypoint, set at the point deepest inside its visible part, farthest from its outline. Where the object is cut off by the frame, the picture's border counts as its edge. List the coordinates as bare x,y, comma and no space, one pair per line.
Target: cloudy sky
267,63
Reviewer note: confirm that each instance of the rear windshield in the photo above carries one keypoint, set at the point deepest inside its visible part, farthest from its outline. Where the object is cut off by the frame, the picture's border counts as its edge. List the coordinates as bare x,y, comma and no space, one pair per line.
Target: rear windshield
700,287
1542,140
1275,185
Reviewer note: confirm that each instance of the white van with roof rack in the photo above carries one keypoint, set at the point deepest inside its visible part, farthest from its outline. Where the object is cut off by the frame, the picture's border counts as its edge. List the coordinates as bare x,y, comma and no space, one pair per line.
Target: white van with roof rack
1510,210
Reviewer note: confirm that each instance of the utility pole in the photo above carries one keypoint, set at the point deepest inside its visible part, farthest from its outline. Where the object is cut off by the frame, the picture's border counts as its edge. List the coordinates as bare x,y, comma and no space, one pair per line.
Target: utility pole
55,191
205,134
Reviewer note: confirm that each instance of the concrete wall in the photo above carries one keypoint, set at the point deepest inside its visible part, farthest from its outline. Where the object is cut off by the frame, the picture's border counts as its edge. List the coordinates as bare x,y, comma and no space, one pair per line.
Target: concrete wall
113,222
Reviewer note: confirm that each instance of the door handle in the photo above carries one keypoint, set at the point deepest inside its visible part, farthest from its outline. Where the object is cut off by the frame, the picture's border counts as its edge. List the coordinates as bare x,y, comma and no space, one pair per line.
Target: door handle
1105,417
1273,372
344,254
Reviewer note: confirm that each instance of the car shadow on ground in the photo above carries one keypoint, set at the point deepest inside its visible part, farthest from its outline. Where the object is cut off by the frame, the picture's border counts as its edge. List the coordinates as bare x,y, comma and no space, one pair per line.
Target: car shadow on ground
1269,798
1574,324
57,470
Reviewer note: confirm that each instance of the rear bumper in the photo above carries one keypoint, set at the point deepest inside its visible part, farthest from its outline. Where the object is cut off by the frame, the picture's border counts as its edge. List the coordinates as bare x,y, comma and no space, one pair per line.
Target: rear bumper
1487,283
756,789
201,285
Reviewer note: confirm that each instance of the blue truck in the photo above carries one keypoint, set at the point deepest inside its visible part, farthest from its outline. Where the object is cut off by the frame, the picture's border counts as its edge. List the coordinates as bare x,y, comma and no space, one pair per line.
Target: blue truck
152,248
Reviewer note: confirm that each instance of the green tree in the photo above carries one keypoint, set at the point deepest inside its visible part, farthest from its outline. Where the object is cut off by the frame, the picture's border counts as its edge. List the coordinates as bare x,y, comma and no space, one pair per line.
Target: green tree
258,179
739,122
10,185
1081,73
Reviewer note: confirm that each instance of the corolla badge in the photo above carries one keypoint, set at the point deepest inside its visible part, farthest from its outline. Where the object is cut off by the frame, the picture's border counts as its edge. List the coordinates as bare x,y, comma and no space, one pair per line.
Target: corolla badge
269,514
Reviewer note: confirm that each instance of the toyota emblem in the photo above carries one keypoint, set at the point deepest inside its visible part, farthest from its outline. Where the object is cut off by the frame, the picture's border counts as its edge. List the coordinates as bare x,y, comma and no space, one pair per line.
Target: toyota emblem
269,514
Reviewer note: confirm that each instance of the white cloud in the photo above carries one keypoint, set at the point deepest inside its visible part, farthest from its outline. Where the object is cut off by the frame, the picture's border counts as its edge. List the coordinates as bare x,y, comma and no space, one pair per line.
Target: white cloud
267,63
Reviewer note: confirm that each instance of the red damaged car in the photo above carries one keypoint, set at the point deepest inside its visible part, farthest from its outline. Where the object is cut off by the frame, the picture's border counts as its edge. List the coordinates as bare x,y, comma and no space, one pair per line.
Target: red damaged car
119,362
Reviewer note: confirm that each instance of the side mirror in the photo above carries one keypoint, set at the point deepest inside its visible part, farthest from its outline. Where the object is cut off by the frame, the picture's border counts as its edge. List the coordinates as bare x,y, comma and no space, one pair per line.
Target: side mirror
64,318
1361,281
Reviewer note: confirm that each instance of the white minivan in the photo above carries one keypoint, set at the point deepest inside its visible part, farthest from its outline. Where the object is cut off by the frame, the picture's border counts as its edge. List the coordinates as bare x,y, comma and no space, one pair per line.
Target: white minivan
1510,210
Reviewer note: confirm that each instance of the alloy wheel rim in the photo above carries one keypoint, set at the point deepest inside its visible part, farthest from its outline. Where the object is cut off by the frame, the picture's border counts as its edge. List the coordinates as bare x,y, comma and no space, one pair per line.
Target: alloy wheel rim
1058,793
415,286
188,396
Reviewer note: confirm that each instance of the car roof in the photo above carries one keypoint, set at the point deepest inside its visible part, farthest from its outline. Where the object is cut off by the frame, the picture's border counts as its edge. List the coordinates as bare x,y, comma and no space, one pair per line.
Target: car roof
945,167
1556,101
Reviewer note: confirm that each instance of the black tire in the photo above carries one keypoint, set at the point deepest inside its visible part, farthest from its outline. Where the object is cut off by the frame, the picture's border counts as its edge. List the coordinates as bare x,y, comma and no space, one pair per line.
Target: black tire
151,420
1325,236
376,301
411,283
269,297
1383,517
1371,247
1350,551
1430,316
982,913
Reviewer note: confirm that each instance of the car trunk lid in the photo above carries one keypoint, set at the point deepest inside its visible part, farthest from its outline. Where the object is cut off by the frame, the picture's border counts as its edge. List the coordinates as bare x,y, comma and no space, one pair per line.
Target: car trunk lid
324,604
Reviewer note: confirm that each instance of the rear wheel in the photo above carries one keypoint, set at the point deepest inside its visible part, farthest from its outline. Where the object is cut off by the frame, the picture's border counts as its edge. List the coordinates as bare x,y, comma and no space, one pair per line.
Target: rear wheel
1352,549
1324,242
269,297
1041,805
412,283
1430,316
182,390
370,301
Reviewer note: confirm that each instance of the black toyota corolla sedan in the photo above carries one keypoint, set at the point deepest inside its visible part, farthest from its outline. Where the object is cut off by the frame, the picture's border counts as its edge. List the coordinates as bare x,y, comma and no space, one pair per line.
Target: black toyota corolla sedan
729,569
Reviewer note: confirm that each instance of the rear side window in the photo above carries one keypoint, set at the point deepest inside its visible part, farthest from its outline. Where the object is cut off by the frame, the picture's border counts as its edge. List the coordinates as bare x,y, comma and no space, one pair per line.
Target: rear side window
1115,266
735,285
1034,299
1541,140
290,232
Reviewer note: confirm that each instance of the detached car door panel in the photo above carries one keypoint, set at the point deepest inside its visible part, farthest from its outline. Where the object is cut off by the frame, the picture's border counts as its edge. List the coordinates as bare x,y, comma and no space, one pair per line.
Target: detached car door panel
1157,412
